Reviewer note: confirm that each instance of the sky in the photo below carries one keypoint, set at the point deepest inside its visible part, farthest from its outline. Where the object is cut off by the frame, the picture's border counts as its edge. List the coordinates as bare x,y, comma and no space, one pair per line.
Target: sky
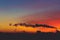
36,11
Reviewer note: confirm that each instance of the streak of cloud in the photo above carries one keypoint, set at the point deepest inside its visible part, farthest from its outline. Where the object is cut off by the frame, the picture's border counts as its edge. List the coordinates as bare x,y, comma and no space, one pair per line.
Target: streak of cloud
33,25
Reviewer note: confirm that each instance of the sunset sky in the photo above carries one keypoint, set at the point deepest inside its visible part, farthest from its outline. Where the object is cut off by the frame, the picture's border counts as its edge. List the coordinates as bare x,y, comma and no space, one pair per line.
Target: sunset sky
29,11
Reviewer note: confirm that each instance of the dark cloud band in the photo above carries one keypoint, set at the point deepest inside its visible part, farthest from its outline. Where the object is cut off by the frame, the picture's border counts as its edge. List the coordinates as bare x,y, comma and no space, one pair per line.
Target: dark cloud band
32,25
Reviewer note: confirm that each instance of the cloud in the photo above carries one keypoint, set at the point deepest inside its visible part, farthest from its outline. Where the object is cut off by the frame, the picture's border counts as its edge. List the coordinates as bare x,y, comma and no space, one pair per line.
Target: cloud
32,25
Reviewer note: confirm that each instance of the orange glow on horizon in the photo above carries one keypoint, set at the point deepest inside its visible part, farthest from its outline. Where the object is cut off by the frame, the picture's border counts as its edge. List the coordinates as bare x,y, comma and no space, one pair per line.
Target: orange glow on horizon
55,23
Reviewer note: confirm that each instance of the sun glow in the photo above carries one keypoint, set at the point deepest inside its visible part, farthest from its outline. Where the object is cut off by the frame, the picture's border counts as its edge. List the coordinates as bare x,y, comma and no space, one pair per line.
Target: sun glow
4,27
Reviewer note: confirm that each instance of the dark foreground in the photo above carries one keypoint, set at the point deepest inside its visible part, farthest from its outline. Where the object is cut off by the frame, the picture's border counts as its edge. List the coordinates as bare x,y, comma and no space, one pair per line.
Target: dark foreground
28,36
